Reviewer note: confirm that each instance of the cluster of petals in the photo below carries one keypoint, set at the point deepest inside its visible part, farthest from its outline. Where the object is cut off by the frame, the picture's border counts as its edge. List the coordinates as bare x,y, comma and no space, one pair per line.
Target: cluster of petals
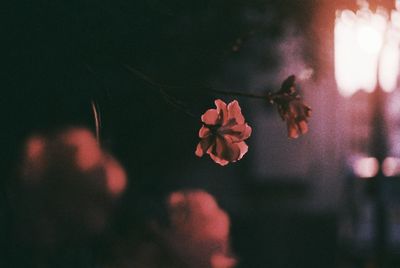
223,133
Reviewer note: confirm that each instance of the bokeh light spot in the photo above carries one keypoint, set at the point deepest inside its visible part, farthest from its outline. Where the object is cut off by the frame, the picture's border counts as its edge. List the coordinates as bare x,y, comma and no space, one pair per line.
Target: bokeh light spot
366,167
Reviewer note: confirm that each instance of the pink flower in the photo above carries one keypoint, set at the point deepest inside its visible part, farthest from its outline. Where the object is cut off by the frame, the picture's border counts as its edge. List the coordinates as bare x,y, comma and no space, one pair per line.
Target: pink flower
223,133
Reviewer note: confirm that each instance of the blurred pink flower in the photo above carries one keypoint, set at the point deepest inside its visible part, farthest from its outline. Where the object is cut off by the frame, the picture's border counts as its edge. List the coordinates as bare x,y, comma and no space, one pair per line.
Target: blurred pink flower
74,150
223,133
69,186
199,231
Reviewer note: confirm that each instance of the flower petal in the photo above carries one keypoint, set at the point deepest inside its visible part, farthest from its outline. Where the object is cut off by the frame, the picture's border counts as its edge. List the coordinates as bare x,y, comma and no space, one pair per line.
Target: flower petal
218,160
247,132
228,150
204,145
204,132
225,150
292,128
302,126
210,117
243,149
298,109
222,111
236,133
235,151
235,112
199,150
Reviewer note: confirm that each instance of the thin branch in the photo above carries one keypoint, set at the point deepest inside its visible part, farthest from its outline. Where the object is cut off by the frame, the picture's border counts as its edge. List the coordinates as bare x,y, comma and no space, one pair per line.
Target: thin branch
161,88
267,97
237,93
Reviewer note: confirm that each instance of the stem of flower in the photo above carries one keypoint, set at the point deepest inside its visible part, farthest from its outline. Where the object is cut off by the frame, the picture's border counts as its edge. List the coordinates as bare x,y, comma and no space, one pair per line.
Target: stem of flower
240,94
267,97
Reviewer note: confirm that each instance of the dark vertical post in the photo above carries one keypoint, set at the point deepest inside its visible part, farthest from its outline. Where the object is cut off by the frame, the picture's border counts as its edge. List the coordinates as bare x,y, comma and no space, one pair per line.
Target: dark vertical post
379,150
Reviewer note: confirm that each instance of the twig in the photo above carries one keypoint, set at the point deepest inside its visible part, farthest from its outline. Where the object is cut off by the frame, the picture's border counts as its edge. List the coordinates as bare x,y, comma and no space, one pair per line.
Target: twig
161,88
240,94
267,97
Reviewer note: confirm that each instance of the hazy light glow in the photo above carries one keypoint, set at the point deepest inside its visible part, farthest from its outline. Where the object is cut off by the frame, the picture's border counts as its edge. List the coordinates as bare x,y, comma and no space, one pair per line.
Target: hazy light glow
390,55
366,167
366,48
306,74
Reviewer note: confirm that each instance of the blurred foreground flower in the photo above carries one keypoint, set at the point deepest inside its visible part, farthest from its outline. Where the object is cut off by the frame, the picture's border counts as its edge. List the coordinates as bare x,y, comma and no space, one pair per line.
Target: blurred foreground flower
68,185
223,133
291,108
74,151
199,231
